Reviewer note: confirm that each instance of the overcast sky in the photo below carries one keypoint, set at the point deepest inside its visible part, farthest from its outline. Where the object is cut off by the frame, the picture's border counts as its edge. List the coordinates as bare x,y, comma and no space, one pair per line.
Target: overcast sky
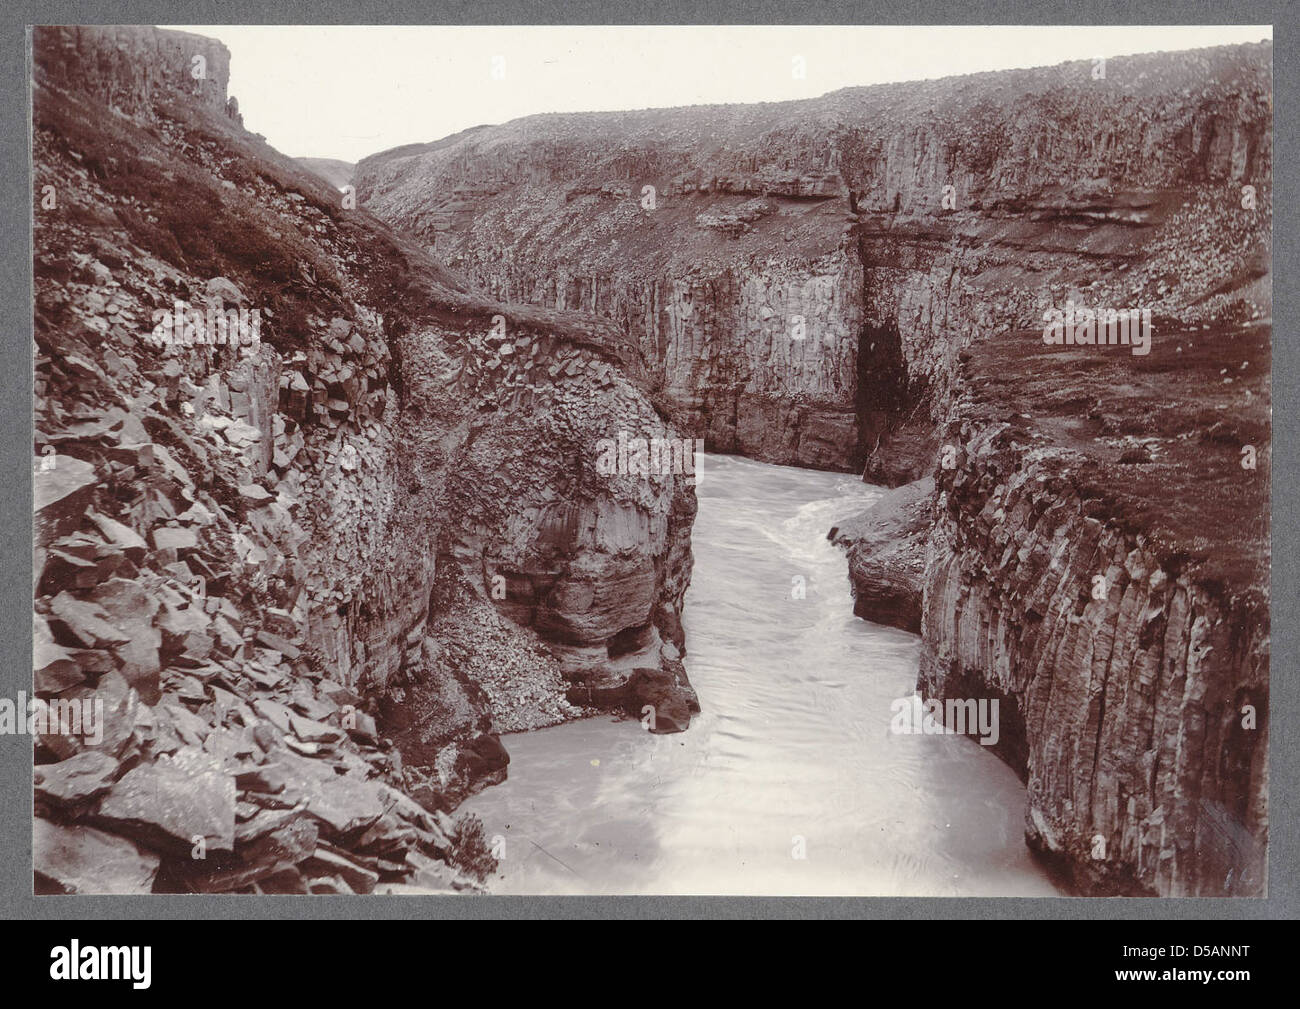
346,92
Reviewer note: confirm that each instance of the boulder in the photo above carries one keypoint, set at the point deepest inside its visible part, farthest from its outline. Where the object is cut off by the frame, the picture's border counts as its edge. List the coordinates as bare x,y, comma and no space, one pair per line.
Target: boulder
75,780
668,703
60,496
255,495
131,609
177,538
185,634
343,805
83,624
222,291
83,860
173,801
54,668
278,843
333,863
483,759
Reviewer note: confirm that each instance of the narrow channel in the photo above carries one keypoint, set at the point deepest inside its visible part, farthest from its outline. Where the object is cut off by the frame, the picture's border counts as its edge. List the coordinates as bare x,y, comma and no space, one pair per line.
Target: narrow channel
790,781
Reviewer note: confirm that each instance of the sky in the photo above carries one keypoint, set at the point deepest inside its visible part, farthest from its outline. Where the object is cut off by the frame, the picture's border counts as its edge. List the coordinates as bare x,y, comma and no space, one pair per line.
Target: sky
349,91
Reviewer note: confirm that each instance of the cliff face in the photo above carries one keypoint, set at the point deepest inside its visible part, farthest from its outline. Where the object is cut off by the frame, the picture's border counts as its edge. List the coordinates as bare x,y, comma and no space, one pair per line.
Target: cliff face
753,351
311,562
805,260
131,69
865,278
1102,566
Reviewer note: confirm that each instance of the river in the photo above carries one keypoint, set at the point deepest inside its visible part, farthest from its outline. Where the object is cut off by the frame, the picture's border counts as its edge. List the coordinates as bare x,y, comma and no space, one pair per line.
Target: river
789,782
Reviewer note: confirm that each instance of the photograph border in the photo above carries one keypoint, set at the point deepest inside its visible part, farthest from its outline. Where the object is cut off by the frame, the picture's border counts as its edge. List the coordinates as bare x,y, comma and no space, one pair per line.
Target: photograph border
16,210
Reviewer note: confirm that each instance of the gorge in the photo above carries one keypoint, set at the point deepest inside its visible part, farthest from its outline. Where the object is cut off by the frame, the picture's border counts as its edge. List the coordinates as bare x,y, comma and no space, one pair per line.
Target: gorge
315,579
860,282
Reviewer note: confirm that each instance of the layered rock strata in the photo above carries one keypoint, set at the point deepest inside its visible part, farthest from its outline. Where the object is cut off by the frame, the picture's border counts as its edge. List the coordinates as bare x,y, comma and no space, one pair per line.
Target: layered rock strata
801,275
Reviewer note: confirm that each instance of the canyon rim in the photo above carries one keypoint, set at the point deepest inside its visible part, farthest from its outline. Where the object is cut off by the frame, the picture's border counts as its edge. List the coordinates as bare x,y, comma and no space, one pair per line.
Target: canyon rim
502,392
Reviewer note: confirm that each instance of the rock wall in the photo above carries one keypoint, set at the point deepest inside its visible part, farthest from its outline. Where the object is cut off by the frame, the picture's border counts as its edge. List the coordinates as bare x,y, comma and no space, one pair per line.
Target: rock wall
310,564
886,552
1134,698
793,255
134,68
735,392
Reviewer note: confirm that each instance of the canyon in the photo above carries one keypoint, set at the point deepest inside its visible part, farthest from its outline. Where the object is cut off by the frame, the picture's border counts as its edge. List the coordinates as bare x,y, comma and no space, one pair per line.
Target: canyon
314,577
860,282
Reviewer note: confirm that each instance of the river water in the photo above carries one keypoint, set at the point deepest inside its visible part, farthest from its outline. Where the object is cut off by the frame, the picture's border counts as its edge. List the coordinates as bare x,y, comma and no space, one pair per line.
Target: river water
790,781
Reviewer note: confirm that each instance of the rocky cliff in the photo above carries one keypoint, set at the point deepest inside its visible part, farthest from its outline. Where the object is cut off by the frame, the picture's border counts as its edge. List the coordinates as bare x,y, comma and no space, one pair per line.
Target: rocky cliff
314,521
866,279
798,274
1102,566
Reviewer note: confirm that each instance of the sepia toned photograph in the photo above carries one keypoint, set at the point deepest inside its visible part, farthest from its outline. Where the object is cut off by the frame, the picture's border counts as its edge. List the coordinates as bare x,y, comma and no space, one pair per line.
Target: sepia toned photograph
753,460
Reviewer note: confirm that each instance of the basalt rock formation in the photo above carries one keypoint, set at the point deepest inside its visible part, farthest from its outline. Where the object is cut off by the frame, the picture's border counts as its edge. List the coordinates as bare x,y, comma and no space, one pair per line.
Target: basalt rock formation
866,280
314,520
886,551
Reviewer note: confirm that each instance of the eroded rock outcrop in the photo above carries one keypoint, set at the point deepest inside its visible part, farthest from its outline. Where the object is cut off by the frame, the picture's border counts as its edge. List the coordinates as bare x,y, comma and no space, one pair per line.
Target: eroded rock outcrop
886,551
281,458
